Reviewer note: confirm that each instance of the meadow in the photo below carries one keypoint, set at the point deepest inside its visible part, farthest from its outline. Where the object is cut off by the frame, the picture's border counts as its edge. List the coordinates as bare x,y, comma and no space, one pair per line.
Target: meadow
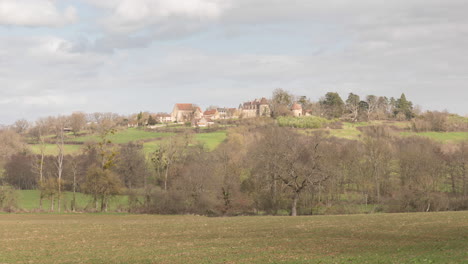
351,131
122,238
149,139
444,137
28,200
125,136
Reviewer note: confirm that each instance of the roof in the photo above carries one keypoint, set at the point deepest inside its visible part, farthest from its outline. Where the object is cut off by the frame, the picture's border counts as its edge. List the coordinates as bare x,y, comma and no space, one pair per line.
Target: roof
263,101
296,106
210,112
185,107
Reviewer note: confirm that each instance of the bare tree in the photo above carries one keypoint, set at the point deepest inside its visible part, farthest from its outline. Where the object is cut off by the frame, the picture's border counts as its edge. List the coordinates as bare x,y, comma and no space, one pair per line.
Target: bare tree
39,132
372,104
292,159
352,105
21,126
76,170
77,121
168,153
59,128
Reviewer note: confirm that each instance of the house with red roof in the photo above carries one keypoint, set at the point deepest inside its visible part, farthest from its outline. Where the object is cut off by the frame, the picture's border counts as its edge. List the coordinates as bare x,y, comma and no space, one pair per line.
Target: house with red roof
211,114
297,109
186,113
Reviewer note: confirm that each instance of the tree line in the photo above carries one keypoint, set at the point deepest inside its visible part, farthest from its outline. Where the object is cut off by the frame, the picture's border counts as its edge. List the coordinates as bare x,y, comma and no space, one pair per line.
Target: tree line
260,168
263,167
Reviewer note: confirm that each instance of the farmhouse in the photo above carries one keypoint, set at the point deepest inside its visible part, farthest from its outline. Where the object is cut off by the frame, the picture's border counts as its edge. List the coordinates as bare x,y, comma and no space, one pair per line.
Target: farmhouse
255,108
204,122
212,114
228,113
185,113
297,109
163,118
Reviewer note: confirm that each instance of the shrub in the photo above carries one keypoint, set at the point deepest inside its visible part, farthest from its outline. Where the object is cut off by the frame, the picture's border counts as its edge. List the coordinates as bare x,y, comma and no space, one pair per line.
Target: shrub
8,200
302,122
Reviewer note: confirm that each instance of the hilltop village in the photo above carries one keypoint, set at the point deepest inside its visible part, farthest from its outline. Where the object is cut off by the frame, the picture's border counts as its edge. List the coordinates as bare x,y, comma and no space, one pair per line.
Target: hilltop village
184,113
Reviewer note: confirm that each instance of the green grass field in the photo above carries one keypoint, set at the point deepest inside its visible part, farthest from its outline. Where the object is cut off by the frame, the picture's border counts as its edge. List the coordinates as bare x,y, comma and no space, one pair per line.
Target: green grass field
211,140
444,137
125,136
104,238
51,149
29,200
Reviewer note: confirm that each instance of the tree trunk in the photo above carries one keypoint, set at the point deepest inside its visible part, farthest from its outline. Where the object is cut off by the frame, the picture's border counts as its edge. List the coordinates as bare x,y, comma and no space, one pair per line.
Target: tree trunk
452,178
41,196
294,204
165,178
73,205
52,202
102,204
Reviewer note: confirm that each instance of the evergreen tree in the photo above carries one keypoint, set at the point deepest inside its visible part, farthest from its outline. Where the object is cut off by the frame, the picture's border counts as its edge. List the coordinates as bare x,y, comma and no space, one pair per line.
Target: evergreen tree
333,105
404,106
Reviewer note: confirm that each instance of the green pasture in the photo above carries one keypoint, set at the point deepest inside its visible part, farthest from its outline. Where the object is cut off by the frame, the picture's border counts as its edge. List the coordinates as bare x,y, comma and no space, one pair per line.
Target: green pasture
52,149
124,136
444,137
29,200
104,238
210,140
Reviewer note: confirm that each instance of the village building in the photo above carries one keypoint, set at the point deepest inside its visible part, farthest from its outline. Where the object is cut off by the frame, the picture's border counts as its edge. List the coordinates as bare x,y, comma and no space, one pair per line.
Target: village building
212,114
228,113
255,108
163,118
204,122
297,109
186,113
223,113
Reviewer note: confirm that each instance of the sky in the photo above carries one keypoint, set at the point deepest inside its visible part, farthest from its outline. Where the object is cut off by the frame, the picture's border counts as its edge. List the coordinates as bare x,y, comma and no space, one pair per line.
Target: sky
126,56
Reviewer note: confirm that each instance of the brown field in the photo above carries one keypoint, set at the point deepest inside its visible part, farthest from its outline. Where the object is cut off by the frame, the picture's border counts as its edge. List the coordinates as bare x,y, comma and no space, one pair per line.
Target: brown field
107,238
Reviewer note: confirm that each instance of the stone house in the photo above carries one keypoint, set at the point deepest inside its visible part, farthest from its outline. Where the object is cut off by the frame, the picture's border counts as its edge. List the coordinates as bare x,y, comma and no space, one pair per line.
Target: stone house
297,109
204,122
186,113
212,114
228,113
255,108
163,118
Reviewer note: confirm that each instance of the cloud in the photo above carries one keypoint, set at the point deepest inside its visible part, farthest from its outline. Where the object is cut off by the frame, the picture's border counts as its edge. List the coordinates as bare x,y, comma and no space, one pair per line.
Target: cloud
127,16
223,52
34,13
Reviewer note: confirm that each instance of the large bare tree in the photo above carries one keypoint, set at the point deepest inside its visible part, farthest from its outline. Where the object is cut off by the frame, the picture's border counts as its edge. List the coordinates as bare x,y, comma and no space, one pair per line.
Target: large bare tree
292,159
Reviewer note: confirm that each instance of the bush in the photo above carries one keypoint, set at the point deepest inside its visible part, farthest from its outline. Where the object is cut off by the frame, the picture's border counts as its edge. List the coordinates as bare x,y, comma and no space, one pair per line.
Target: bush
416,201
8,200
302,122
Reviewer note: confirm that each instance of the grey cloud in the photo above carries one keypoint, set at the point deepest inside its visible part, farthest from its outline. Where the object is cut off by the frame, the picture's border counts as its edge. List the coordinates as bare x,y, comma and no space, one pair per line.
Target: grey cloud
35,13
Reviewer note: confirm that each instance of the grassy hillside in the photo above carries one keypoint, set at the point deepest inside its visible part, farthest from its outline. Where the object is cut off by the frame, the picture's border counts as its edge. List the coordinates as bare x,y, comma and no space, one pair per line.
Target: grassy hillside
151,140
380,238
125,136
211,140
444,137
351,131
51,149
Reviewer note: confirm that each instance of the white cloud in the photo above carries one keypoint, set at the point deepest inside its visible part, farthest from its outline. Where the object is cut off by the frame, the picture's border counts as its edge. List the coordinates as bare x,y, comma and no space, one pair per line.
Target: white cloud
34,13
133,15
363,46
